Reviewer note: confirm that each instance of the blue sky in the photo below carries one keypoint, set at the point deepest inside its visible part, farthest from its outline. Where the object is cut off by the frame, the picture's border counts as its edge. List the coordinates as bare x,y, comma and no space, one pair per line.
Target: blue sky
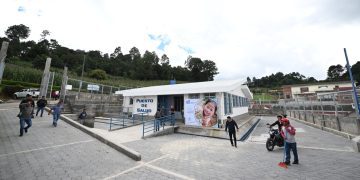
244,38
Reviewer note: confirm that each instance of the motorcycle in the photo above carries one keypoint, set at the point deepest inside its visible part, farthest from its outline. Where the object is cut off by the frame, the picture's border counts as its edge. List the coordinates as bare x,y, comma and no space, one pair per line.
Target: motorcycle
275,139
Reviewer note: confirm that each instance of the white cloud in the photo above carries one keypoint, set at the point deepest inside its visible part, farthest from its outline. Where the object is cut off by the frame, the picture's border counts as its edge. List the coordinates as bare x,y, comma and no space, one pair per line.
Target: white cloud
244,38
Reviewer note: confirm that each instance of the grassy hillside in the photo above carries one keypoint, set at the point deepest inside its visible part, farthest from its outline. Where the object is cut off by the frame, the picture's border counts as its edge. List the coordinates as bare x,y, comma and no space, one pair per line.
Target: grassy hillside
23,72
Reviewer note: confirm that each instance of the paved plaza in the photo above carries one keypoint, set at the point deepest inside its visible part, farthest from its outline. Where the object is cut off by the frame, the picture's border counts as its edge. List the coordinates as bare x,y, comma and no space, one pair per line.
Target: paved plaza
65,152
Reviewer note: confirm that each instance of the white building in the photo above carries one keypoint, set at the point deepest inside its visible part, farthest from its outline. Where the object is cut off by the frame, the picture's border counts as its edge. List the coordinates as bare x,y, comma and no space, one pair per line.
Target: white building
230,96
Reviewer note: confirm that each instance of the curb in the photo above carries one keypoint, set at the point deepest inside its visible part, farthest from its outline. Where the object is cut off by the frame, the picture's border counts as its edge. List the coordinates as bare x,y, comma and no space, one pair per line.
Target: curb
119,147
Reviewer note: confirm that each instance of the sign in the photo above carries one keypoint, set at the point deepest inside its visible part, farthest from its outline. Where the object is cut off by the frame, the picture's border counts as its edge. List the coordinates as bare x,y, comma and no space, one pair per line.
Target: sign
145,105
68,87
201,112
93,87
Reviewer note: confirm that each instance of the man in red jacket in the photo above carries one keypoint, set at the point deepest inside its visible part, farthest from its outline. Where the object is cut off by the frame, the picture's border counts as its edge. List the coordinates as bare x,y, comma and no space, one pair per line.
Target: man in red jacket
288,133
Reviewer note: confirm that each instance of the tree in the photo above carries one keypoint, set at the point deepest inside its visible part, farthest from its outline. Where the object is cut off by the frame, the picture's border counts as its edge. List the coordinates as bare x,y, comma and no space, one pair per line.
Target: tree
335,72
17,32
98,74
116,52
195,65
43,34
209,70
248,81
164,60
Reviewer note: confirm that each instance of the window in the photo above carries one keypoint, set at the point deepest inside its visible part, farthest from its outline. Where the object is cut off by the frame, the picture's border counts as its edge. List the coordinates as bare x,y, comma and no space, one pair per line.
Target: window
210,95
194,96
304,89
131,101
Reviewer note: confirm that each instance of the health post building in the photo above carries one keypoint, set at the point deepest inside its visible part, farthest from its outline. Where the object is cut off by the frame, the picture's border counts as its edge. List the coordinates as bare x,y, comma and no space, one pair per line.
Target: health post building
205,104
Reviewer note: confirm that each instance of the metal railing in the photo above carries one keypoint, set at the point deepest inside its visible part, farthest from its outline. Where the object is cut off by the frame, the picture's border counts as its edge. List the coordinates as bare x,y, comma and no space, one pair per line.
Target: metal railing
122,121
154,125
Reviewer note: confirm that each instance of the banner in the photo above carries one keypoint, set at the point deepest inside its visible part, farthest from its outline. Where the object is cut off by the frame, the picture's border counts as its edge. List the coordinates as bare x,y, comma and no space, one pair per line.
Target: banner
201,112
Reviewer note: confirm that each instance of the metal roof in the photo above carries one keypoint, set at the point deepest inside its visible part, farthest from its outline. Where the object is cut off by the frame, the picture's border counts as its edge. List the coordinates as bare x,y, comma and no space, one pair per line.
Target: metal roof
189,88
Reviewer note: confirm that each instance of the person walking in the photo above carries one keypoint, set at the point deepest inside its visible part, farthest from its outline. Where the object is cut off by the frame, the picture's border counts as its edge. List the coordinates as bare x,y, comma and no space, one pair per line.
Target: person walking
288,133
27,99
41,103
230,125
56,110
25,114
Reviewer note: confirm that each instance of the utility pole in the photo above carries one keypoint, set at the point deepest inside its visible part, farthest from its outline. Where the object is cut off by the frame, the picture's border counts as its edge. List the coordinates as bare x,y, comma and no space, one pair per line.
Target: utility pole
356,100
82,75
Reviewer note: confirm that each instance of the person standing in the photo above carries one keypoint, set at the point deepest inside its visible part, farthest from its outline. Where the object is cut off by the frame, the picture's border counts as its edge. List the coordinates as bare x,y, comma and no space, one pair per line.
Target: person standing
157,120
41,103
230,125
26,110
56,110
288,133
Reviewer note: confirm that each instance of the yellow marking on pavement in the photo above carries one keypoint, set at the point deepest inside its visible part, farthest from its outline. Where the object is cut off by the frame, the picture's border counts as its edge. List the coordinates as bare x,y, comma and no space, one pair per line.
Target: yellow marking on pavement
49,147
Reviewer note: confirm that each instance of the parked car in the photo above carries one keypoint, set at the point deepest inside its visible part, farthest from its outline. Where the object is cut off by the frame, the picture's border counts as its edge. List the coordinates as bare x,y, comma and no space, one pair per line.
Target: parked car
24,92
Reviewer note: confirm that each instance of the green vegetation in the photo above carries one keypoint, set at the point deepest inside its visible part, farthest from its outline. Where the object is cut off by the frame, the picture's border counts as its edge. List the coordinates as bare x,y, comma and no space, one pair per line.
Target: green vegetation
133,65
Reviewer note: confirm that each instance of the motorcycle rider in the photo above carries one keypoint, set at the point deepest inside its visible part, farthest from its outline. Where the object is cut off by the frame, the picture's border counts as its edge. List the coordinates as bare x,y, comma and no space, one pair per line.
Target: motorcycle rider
277,122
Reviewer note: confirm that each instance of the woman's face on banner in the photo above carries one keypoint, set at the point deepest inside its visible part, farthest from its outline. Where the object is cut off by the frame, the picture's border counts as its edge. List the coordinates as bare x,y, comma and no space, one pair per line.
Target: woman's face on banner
209,109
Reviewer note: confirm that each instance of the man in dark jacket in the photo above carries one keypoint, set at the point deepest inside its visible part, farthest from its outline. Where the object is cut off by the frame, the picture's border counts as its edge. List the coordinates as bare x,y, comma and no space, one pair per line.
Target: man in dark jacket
231,124
41,103
26,110
26,100
278,123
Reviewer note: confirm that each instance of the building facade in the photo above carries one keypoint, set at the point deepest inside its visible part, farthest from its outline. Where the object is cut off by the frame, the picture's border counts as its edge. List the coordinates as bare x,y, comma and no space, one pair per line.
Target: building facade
292,91
196,104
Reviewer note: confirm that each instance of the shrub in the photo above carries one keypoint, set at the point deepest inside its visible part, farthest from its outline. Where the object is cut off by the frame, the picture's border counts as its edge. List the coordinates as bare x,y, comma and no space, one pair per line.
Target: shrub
10,90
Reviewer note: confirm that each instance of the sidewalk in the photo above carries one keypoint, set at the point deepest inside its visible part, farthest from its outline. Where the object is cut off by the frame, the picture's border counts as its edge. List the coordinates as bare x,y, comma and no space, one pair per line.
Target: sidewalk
46,152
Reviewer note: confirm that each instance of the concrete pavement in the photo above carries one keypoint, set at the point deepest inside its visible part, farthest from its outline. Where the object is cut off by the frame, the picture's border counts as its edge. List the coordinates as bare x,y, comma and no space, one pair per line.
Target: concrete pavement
65,152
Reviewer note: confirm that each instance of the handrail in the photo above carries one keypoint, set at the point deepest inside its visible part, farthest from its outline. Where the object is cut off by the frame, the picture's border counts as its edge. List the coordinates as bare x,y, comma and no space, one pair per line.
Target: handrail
151,125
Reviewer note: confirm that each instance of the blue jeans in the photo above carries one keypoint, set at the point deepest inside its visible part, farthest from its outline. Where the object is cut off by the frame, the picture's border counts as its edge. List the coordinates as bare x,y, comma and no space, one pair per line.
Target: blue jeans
22,124
55,118
40,109
157,124
288,147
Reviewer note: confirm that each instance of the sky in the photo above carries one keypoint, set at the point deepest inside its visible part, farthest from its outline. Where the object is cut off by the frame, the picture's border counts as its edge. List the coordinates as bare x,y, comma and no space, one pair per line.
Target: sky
244,38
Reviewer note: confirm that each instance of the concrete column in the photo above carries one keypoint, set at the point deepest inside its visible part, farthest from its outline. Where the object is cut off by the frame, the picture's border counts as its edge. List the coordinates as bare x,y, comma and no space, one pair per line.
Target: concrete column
45,78
3,51
64,83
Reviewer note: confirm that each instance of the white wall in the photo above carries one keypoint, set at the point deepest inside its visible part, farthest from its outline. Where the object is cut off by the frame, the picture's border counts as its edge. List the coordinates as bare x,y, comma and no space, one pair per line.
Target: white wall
318,87
145,104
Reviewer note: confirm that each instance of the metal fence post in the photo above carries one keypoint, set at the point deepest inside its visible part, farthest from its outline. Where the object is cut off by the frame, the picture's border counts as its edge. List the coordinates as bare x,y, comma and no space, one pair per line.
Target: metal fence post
110,123
336,114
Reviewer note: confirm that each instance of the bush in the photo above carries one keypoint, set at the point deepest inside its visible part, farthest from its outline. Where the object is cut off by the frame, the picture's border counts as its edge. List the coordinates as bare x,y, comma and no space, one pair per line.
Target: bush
10,90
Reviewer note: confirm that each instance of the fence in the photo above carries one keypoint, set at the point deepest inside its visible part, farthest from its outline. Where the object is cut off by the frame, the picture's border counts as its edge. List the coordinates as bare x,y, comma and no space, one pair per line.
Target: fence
334,110
122,121
154,125
83,89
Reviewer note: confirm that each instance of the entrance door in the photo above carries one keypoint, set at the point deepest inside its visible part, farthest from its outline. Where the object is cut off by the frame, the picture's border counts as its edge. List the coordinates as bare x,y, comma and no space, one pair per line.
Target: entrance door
179,103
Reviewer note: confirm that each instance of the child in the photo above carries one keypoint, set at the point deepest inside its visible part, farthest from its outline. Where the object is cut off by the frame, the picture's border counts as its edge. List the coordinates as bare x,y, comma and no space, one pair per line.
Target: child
209,116
288,133
82,116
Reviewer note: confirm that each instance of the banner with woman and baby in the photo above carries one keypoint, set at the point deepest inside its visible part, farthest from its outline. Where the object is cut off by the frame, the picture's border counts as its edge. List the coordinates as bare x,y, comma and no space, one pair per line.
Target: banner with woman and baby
201,112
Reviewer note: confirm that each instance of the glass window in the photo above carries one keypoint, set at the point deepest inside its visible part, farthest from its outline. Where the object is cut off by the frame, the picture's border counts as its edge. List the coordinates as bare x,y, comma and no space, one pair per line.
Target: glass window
194,96
210,95
131,101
